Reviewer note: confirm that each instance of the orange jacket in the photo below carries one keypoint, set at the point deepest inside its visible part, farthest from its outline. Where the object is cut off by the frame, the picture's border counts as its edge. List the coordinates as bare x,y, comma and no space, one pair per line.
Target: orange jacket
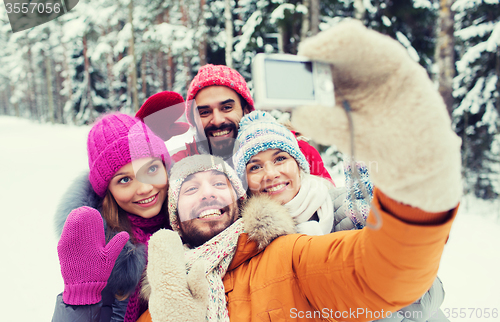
345,276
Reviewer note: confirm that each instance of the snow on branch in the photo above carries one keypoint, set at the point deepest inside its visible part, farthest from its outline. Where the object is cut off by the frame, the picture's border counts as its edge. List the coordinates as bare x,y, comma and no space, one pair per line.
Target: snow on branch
279,12
471,56
248,30
406,42
475,31
494,39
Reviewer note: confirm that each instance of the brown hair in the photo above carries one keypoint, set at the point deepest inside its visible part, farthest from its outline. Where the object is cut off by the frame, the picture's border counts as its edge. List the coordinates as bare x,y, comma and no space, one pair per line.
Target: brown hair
290,127
243,102
117,219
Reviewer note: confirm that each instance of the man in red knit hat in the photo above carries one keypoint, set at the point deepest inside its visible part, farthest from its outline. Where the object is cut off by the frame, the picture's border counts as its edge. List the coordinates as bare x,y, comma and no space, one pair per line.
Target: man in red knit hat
221,98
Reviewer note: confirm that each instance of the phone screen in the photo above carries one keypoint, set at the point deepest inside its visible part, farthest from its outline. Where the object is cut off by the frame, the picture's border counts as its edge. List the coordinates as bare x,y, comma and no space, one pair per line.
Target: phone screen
289,80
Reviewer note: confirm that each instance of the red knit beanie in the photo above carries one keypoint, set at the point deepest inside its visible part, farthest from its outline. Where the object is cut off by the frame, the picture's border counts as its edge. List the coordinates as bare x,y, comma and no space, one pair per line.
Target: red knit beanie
159,119
210,75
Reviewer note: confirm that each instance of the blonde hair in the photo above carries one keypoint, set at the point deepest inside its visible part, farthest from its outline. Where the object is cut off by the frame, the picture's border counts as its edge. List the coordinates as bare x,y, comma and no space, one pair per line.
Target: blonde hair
290,127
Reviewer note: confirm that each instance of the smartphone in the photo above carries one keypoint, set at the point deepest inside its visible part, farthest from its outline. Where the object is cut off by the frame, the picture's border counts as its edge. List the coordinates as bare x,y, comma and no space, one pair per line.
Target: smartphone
284,81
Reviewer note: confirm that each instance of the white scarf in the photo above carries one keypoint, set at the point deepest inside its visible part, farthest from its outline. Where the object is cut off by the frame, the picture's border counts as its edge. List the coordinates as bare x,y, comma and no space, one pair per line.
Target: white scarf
313,197
218,252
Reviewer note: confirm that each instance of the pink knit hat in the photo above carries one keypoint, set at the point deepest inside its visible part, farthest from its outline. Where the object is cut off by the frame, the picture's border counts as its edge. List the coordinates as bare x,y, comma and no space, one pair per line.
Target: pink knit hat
210,75
115,140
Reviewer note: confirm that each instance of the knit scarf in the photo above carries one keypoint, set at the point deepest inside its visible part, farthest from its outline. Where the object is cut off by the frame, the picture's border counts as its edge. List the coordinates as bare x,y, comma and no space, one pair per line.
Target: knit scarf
142,229
218,253
313,197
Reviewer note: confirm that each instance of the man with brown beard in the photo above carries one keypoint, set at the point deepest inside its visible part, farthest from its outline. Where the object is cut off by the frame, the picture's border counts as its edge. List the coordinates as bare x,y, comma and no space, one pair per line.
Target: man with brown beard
217,99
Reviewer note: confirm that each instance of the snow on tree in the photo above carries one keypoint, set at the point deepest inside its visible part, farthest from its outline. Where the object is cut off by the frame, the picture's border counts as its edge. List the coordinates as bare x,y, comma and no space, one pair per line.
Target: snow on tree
79,65
476,90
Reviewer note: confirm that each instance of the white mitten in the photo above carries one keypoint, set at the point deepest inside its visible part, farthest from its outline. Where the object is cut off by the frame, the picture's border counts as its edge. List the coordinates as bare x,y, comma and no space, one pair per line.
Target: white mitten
402,130
175,295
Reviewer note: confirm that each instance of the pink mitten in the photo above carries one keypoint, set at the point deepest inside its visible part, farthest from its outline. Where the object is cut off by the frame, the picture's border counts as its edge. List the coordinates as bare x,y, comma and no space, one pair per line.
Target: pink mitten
86,261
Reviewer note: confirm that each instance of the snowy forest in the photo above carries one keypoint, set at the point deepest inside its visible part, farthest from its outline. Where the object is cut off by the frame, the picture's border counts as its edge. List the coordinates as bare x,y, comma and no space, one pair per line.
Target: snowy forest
112,55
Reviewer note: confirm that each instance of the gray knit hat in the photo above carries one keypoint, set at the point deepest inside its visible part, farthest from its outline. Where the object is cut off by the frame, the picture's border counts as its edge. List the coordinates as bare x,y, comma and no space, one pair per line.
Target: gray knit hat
194,164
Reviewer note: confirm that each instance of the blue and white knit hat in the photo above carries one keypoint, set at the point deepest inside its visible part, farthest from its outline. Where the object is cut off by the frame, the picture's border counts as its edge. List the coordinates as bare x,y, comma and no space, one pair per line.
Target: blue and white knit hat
259,132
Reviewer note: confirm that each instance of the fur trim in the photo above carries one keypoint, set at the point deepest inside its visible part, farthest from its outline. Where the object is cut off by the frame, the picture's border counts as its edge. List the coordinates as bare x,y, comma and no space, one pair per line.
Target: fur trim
128,269
145,287
265,219
79,194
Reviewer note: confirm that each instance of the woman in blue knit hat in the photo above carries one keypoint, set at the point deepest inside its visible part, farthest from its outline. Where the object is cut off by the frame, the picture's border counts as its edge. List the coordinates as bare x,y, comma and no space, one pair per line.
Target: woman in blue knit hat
269,161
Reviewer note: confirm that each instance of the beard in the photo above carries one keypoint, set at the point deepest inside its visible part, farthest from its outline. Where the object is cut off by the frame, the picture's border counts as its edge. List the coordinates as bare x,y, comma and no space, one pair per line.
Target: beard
195,236
223,146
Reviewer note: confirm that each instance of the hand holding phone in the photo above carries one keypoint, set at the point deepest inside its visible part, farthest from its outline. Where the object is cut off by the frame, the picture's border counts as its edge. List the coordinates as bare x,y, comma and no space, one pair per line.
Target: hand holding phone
393,116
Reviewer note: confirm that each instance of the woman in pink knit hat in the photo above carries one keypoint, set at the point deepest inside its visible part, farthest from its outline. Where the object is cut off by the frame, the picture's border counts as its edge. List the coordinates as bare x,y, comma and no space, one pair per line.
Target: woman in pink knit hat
102,261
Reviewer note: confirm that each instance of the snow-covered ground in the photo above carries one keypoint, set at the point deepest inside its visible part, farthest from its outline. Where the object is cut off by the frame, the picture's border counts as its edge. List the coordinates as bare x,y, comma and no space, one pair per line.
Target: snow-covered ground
39,161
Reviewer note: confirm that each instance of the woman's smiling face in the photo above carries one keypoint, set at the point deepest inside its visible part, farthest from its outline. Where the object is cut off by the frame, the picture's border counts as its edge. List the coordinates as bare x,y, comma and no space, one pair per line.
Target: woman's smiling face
140,187
275,173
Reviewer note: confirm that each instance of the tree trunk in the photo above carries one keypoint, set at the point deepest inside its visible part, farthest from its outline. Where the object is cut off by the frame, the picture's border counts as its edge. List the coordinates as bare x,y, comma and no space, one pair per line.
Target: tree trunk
156,59
314,17
160,62
185,58
228,17
445,57
33,90
121,90
359,9
304,30
69,83
129,91
109,72
8,104
167,69
67,78
135,100
281,39
87,75
465,151
143,76
48,78
202,45
16,109
5,99
59,101
498,79
170,71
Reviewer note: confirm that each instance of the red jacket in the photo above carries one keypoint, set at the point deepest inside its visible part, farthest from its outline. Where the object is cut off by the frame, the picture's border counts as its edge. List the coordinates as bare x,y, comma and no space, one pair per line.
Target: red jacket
314,159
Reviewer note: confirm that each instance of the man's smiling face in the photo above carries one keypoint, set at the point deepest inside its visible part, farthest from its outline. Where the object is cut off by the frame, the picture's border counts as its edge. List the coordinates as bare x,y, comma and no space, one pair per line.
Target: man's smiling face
220,111
207,205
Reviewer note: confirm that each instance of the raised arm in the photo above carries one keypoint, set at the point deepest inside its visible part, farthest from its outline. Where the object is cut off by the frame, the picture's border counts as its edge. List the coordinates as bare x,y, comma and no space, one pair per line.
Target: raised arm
399,124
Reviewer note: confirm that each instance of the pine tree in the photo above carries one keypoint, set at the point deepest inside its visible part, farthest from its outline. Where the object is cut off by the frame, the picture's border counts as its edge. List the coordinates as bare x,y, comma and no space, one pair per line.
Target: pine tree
79,65
476,89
